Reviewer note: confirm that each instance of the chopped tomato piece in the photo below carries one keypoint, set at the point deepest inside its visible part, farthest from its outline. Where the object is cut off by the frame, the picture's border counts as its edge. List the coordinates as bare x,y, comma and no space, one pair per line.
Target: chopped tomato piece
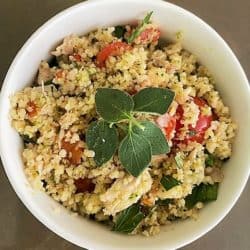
31,109
113,49
77,57
84,185
178,116
197,133
167,123
149,35
59,74
74,151
199,101
170,128
147,201
203,123
171,125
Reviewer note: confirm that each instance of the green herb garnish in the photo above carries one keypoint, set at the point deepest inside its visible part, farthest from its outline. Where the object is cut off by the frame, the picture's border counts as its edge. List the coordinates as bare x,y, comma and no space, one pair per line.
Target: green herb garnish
140,28
179,160
53,62
128,219
172,217
210,160
103,140
202,193
177,74
50,82
140,139
119,31
169,182
154,135
153,100
164,202
133,195
135,153
113,105
192,132
27,139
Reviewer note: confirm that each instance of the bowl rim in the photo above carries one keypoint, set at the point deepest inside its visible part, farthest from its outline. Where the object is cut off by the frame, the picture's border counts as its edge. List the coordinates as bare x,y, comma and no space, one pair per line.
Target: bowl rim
28,204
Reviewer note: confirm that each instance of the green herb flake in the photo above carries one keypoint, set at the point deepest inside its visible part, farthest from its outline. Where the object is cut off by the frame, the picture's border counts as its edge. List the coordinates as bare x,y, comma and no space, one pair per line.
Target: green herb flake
202,193
164,202
177,74
53,62
172,217
51,83
103,140
154,135
192,132
153,100
27,139
179,160
119,31
210,160
128,219
133,196
113,105
140,28
135,153
169,182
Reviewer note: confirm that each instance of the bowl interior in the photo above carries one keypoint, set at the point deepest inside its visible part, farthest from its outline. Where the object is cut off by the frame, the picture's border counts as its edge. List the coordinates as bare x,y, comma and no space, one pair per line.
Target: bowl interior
199,39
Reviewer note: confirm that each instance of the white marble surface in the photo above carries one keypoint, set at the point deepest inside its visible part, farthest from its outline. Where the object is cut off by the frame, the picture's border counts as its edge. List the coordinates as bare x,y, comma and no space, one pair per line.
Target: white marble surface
19,230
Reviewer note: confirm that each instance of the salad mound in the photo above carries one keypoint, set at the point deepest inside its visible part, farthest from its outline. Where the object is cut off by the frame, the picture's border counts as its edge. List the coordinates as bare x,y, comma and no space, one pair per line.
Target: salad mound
124,130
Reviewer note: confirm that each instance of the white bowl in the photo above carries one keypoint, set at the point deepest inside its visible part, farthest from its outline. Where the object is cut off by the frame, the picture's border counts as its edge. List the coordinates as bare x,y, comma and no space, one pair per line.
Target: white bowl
200,39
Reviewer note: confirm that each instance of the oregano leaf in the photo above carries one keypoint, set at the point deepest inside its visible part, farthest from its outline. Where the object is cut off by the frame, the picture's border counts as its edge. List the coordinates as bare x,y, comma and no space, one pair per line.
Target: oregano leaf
168,182
153,100
202,193
135,153
103,140
128,219
164,202
155,137
113,105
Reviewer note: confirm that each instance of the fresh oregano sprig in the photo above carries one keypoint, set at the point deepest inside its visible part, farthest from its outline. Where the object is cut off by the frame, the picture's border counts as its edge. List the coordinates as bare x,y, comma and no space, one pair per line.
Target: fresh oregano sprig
141,139
202,193
139,28
128,219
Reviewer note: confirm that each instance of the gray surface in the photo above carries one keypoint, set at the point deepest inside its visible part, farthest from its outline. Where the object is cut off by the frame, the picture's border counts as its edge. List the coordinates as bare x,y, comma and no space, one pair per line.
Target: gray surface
19,230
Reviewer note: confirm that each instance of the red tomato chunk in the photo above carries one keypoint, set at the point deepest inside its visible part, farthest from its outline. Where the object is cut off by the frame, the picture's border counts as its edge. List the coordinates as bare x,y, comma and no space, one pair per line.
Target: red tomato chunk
167,123
203,123
172,124
31,109
74,152
149,35
113,49
77,57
